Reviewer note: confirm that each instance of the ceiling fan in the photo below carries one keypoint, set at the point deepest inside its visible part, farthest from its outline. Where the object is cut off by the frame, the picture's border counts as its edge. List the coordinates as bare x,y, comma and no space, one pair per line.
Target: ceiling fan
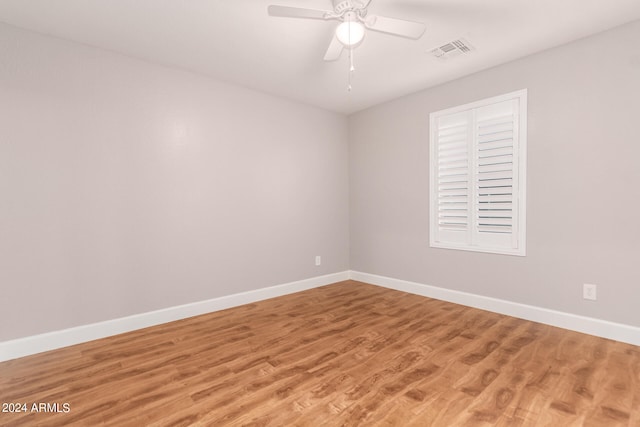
354,19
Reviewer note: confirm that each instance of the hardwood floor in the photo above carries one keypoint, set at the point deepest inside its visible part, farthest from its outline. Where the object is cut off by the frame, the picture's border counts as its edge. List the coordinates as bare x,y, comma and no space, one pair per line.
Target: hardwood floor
346,354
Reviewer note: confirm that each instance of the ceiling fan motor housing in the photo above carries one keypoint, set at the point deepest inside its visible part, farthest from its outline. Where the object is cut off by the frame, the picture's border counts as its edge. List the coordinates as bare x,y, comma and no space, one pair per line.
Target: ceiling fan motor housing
340,6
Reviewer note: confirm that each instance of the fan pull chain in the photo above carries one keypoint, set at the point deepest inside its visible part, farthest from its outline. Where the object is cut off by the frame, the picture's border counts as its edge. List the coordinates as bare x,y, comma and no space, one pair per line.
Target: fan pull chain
351,67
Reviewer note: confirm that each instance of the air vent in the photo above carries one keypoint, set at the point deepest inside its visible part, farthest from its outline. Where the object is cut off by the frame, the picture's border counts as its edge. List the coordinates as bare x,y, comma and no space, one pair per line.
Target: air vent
452,49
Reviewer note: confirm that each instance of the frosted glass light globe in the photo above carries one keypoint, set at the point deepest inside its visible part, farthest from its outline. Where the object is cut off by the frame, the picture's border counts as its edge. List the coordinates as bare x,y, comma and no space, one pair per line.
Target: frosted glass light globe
350,33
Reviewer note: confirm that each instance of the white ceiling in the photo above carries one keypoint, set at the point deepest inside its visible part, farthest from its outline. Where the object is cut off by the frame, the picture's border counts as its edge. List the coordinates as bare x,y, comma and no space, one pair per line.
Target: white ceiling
236,41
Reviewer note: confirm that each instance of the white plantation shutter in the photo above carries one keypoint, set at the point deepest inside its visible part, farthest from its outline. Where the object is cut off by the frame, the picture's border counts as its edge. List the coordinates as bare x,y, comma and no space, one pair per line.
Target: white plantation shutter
478,174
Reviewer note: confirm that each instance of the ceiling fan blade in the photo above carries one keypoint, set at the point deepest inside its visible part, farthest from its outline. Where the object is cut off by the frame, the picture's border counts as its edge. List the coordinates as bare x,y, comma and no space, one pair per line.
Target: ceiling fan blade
334,50
296,12
397,27
362,4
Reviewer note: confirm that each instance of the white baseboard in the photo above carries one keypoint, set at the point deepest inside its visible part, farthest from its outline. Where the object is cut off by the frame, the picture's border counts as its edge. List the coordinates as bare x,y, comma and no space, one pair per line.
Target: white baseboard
587,325
57,339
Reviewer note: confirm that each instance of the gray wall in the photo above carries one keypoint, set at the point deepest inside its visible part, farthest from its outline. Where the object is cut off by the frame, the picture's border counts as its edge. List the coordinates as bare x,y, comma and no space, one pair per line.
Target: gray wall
127,187
583,182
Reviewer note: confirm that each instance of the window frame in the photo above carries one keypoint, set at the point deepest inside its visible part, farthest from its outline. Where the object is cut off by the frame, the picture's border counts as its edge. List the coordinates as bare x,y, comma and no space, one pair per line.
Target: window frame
520,170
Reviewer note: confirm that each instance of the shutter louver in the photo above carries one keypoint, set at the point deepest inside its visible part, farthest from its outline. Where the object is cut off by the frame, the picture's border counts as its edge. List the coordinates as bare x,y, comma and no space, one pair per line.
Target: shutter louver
453,177
494,175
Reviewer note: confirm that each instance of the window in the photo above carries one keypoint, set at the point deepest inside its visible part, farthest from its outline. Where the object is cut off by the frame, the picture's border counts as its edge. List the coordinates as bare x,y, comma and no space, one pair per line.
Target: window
478,175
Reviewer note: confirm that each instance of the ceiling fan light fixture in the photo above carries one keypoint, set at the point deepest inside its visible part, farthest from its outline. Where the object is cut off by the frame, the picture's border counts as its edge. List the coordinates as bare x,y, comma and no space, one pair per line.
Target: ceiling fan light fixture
350,33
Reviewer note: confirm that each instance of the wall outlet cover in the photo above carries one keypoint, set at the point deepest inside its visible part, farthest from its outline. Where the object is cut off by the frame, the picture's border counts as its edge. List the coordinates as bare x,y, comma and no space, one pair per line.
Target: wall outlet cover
589,291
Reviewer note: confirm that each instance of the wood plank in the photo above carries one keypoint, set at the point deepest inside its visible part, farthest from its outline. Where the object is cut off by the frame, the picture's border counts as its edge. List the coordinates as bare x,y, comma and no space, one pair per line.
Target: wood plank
340,355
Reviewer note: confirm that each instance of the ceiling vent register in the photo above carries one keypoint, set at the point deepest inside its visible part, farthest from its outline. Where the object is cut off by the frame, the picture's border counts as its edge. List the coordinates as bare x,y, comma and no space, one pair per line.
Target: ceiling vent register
452,49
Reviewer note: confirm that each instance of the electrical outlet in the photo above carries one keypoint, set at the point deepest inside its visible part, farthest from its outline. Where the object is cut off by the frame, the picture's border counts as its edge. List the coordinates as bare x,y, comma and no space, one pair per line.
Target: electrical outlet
318,260
589,291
